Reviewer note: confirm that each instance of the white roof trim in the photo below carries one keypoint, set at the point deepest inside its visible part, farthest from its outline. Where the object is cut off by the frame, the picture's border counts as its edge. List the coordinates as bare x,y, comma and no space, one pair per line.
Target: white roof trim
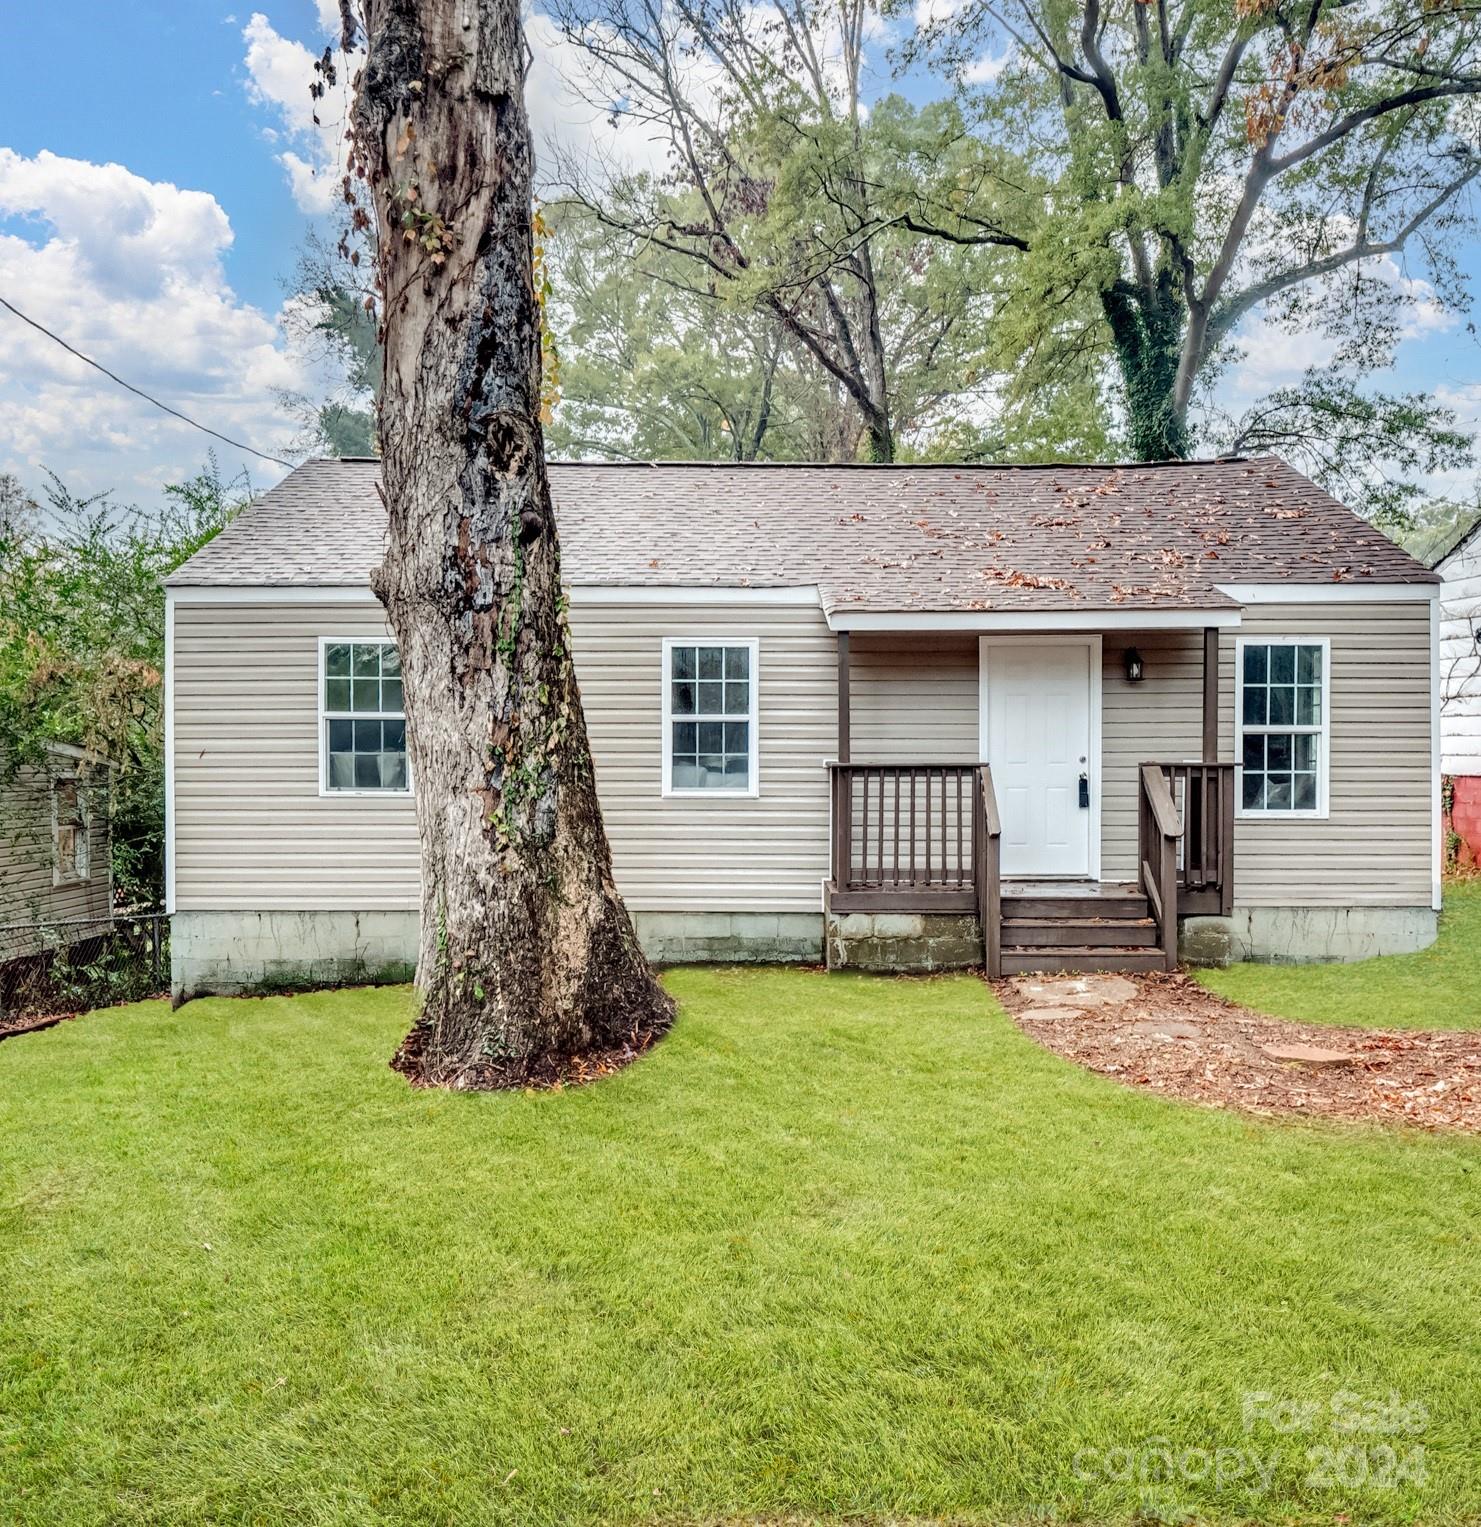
1329,593
652,593
272,593
1125,619
987,621
580,593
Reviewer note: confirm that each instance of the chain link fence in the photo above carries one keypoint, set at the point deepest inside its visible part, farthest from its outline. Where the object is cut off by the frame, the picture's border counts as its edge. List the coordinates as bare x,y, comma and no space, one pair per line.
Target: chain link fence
49,969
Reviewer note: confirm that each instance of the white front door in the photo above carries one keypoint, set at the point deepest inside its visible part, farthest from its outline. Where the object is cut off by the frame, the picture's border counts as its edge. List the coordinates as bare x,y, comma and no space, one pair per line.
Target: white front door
1037,729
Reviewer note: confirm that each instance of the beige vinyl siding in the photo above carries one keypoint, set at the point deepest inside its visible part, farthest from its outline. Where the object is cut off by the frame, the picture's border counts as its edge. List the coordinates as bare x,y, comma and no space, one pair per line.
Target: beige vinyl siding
913,698
27,856
767,854
1375,846
1154,721
253,832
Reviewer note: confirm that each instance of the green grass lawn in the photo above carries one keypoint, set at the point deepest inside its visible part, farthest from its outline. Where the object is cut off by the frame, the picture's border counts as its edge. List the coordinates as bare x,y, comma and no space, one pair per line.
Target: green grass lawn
1438,988
841,1246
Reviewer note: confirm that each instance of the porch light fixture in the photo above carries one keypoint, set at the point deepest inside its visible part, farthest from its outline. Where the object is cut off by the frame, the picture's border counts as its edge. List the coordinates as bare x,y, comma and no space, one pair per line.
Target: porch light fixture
1134,669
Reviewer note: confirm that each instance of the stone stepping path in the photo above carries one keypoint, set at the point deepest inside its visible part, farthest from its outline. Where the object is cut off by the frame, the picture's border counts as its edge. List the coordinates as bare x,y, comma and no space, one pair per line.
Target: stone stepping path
1167,1034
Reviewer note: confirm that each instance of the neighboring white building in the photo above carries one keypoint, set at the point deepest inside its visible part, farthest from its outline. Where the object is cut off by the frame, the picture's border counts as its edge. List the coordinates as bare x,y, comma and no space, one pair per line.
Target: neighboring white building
802,686
1459,564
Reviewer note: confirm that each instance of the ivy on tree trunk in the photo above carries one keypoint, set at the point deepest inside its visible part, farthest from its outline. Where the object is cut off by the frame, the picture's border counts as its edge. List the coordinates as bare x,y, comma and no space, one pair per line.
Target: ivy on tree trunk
528,965
1147,336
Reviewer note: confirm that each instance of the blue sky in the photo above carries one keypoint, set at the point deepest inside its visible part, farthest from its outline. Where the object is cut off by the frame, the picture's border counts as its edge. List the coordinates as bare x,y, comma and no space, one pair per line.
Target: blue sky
158,170
160,89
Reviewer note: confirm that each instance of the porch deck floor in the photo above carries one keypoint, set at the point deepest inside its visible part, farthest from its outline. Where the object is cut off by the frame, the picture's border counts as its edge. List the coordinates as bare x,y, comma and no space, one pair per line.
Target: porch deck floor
1102,890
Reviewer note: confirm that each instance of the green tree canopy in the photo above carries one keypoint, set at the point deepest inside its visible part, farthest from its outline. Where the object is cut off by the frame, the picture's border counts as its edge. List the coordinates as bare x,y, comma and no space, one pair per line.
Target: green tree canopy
873,238
82,643
1204,161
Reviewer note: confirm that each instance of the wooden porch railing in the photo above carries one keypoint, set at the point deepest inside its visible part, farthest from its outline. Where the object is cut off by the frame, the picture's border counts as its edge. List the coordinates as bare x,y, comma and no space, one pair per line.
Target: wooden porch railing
902,836
1185,843
927,838
1203,795
918,837
1158,831
987,870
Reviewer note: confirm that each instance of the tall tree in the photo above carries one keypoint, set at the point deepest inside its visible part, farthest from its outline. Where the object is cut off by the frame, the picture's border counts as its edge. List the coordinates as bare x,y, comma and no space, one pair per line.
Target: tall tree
528,961
659,366
788,193
654,368
1207,160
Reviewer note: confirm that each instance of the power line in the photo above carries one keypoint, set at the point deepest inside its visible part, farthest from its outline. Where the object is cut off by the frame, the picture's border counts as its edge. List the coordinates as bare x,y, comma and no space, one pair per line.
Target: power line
139,391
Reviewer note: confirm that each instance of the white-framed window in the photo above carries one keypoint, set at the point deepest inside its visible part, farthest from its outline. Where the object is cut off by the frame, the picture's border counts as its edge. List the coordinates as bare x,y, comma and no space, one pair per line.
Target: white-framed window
1282,712
362,718
71,815
709,716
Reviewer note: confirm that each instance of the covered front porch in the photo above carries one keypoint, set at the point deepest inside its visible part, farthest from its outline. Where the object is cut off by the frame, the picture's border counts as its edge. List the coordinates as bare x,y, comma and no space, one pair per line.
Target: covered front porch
1094,815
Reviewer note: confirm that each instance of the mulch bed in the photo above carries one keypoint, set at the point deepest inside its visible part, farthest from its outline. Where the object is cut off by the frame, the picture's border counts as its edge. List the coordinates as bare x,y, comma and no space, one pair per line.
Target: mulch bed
11,1028
1167,1034
33,1023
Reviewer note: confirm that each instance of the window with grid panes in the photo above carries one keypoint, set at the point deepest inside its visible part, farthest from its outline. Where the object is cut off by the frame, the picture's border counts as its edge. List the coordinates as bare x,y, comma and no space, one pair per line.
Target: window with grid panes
711,716
364,719
1282,725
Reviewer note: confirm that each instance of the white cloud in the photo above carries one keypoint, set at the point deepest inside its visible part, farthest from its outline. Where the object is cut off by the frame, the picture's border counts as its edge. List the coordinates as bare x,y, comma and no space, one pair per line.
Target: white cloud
570,105
559,95
279,74
1460,483
129,271
1274,355
929,13
984,70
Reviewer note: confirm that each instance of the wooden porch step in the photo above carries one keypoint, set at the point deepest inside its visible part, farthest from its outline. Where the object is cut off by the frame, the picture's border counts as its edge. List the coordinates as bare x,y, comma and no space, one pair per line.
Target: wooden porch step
1079,932
1078,961
1131,905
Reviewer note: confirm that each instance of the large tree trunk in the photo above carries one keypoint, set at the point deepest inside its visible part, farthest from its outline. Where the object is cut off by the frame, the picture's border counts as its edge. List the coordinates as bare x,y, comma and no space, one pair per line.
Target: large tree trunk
529,967
1147,334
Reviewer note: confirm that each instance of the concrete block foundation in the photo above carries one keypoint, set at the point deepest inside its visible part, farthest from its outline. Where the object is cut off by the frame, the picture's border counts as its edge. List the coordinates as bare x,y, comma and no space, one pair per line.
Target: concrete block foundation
903,942
731,938
1305,935
233,952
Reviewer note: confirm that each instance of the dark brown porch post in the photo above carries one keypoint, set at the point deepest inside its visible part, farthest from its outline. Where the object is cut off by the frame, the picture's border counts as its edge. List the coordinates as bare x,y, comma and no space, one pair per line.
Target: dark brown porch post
1210,694
843,706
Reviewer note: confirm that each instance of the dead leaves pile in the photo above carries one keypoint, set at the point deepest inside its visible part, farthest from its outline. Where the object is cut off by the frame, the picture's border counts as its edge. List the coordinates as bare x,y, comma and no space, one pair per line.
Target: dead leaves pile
1215,1056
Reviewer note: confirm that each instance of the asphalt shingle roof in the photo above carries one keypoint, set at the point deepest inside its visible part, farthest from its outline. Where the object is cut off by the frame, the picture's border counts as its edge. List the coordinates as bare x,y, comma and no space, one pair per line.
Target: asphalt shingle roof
928,538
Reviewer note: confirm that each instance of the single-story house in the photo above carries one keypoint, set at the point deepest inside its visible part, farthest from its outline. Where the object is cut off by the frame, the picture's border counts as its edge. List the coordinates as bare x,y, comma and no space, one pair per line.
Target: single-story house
897,716
1459,564
56,875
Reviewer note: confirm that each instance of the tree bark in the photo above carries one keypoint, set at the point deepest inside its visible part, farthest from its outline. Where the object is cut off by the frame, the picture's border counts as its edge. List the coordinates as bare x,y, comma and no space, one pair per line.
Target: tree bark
528,965
1147,331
